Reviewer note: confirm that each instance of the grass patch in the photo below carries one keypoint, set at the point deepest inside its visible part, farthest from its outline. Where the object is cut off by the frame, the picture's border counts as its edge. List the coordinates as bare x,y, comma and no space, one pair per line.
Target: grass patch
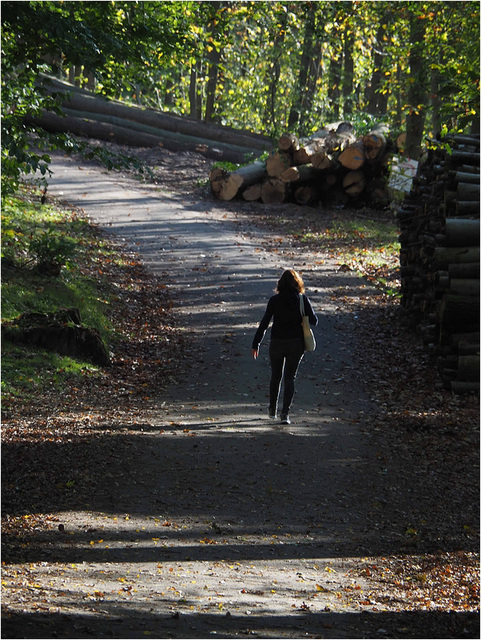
368,246
26,370
25,288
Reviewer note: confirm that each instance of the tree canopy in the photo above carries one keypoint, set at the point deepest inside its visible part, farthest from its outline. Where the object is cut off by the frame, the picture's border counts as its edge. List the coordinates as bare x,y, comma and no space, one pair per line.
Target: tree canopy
267,67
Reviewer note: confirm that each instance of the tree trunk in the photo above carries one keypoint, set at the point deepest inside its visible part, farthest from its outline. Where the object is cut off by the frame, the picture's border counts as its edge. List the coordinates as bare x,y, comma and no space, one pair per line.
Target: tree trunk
252,193
375,143
81,100
353,156
122,135
242,178
277,163
274,191
334,84
348,76
302,173
416,91
306,195
274,72
354,183
301,107
377,102
459,232
210,100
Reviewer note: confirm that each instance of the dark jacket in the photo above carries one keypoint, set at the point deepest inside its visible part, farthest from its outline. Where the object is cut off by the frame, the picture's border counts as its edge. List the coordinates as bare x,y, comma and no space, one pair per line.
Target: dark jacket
287,324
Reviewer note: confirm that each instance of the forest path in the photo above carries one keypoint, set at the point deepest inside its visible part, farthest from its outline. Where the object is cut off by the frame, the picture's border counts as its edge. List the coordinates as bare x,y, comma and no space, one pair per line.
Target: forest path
231,524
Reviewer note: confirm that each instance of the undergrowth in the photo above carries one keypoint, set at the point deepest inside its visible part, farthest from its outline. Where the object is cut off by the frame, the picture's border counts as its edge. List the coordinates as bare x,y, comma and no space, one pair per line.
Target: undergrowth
80,251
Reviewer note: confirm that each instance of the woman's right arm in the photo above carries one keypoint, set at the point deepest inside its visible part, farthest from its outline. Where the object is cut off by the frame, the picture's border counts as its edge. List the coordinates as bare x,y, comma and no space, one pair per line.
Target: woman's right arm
262,328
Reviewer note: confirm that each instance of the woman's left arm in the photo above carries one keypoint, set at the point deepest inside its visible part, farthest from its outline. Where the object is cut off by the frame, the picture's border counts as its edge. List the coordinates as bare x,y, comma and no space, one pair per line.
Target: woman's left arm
313,320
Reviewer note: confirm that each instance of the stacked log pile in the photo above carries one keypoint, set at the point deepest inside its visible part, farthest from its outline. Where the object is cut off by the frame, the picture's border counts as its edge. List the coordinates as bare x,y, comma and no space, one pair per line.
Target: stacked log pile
439,256
93,116
334,167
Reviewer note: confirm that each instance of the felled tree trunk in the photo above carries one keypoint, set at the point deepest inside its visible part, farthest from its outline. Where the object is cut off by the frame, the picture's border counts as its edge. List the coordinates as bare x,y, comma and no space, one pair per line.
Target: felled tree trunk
302,173
353,156
354,183
82,100
252,193
375,143
277,163
274,191
289,143
123,135
242,178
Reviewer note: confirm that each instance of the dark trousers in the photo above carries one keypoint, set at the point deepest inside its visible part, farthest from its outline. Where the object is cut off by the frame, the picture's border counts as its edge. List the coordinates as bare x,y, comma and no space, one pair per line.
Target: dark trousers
285,356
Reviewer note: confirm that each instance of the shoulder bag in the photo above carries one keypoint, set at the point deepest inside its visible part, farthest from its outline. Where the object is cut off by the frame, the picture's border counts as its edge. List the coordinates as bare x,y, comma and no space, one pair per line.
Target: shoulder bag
309,340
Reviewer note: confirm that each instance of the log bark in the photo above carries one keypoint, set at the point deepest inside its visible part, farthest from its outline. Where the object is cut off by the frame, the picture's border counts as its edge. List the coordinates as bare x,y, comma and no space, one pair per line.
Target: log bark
462,176
468,368
121,135
61,332
465,157
467,208
468,192
466,270
461,387
460,232
458,311
464,286
444,256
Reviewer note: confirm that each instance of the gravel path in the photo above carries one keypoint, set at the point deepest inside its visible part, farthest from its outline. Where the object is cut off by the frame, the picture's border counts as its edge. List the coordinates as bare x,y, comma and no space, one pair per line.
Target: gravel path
230,525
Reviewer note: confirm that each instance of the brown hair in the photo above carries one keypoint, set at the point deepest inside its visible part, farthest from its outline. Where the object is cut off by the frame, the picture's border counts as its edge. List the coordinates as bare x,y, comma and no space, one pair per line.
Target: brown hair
290,281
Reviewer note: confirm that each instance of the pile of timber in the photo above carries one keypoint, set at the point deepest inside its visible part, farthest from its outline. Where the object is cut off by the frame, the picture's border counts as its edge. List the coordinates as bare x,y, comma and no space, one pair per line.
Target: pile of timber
439,222
93,116
333,168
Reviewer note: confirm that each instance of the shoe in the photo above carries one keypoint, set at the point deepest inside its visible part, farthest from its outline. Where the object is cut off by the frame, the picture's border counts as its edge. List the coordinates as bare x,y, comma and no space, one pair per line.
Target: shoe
285,418
272,414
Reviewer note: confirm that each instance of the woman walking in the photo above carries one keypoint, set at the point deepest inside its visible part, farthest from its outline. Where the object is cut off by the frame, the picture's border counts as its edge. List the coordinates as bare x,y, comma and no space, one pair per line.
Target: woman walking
287,339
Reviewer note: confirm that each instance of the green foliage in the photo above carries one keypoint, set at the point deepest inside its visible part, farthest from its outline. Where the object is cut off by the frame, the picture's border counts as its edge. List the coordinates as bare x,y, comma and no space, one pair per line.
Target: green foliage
80,285
50,233
100,36
261,66
26,370
52,247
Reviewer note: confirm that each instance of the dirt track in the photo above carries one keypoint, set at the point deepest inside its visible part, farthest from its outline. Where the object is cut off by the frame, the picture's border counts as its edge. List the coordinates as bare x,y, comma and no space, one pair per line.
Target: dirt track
226,524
